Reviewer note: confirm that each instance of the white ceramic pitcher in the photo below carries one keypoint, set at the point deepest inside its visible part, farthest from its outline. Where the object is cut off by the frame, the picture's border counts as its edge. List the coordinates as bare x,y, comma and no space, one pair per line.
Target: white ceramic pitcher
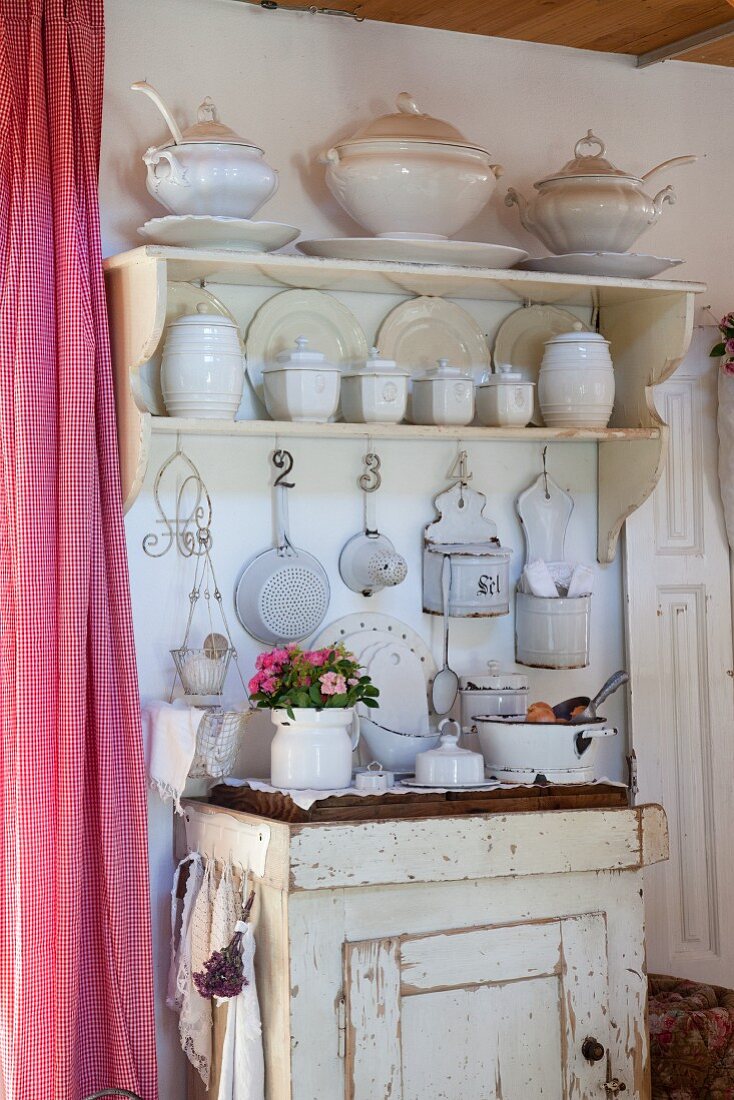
313,750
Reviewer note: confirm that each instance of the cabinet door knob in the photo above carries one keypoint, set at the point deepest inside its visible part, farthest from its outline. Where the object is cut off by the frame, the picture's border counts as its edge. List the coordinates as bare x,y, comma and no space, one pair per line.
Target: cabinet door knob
614,1087
592,1050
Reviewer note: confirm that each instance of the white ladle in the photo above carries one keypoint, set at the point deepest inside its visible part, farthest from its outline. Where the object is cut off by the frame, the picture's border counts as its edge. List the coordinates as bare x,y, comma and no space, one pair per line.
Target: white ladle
446,683
144,86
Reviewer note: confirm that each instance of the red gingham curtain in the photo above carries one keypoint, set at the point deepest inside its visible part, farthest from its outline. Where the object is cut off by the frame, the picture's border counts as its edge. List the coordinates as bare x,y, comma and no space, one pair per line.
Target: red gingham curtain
76,1009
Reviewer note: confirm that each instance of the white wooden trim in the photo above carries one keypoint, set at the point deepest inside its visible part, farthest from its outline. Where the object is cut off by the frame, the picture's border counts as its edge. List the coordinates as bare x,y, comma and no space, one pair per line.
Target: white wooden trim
372,976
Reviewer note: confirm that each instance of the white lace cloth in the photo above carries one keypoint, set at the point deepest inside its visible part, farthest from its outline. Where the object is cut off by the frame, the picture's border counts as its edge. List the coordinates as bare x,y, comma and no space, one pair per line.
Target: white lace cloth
195,1015
242,1075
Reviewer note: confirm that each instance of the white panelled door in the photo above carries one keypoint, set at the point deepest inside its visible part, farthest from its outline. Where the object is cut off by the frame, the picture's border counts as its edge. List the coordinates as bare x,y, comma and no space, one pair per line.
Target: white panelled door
512,1011
679,642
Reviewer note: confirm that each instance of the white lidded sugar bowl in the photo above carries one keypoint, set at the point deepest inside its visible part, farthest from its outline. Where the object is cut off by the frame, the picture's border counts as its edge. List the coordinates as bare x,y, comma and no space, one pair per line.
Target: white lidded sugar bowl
576,381
443,395
375,392
301,385
202,368
505,400
207,168
449,765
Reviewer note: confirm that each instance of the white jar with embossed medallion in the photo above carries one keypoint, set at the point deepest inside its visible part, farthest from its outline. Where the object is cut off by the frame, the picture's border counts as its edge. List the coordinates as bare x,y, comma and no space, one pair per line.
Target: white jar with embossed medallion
375,392
301,385
505,400
443,395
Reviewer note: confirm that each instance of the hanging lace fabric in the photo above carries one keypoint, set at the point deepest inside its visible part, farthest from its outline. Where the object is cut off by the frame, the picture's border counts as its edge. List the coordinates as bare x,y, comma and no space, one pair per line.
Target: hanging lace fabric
242,1072
195,1015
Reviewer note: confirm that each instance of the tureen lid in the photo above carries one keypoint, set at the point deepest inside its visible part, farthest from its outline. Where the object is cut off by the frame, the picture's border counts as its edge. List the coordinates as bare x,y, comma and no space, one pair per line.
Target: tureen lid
374,364
302,357
443,369
588,164
208,128
495,680
409,123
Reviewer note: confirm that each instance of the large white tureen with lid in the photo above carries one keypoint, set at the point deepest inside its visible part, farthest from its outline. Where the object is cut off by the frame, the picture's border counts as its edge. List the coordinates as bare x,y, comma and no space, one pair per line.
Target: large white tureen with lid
410,175
207,168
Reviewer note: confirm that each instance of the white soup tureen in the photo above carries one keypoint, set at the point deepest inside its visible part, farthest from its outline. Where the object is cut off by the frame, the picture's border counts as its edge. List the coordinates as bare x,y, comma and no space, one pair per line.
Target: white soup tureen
591,206
408,175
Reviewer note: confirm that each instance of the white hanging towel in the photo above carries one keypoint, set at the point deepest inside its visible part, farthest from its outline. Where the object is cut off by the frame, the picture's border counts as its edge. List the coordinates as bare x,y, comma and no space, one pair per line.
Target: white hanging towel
242,1075
169,743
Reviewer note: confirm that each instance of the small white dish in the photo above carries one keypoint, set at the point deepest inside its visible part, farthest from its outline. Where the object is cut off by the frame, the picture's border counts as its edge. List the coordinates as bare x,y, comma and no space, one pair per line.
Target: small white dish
616,265
415,250
376,392
483,786
521,338
505,400
301,385
230,234
324,321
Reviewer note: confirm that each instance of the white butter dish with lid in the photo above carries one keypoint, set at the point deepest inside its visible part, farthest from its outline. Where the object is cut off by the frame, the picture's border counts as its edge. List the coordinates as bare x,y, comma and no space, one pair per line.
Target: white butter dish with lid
448,765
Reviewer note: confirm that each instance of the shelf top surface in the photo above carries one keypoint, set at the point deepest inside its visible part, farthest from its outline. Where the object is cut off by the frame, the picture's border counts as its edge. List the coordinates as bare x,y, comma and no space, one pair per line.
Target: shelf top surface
285,270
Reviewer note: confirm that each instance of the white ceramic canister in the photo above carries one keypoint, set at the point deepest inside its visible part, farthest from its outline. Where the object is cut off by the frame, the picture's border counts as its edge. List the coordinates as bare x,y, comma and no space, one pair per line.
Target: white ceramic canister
443,395
480,580
492,692
313,750
375,392
505,400
301,385
552,632
576,381
211,171
202,368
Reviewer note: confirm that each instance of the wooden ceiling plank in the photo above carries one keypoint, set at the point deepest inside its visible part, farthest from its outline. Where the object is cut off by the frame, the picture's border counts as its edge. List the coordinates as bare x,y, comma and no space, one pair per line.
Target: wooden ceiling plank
686,45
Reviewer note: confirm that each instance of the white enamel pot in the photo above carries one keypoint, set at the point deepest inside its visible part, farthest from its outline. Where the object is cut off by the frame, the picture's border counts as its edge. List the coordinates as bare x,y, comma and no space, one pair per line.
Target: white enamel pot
518,751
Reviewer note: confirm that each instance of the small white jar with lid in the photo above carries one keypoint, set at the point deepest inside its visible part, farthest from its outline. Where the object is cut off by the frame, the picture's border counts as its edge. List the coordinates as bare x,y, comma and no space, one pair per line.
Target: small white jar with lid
494,692
576,381
301,385
505,399
375,392
443,395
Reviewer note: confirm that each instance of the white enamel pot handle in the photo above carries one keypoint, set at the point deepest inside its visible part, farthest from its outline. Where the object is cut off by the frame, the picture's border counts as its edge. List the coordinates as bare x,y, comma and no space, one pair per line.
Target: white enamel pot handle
356,730
583,738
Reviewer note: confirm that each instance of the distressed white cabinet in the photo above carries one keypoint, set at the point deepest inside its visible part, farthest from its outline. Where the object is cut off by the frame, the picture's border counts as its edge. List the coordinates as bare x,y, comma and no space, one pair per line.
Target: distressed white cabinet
488,957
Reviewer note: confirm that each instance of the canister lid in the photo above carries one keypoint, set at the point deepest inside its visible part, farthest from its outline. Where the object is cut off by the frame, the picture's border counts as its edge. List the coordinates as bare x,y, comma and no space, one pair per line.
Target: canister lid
443,369
504,373
202,317
578,335
300,356
495,680
374,364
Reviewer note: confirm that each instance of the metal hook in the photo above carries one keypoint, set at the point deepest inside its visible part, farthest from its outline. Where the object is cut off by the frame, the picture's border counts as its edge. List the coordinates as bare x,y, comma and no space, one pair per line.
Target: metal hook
545,472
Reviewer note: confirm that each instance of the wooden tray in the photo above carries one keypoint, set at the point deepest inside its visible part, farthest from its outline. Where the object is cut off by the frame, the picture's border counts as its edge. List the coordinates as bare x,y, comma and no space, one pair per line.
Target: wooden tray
349,807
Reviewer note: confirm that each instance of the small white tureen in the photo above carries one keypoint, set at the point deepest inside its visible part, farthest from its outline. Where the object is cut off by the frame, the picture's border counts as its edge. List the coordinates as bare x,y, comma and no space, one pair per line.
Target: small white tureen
443,395
206,168
301,385
449,765
410,175
376,392
591,206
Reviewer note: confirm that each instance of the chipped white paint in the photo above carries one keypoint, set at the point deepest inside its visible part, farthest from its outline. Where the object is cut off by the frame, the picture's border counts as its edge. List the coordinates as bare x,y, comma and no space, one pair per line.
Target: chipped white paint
314,945
527,1015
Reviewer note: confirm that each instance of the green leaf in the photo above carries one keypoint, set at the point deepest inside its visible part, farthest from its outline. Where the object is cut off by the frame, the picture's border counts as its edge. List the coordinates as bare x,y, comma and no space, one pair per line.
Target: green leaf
315,694
717,350
302,699
370,703
371,690
339,700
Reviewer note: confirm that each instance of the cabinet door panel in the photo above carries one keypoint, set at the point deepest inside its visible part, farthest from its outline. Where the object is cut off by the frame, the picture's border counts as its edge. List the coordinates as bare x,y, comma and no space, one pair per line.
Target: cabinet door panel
495,1013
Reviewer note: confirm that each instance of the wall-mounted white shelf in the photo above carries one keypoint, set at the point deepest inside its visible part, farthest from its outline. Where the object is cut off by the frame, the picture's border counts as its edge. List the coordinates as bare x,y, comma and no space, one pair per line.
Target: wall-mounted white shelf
648,322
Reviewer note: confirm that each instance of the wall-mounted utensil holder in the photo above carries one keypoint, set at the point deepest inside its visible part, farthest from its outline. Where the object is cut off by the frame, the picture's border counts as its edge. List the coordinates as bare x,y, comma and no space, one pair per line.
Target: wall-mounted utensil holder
552,633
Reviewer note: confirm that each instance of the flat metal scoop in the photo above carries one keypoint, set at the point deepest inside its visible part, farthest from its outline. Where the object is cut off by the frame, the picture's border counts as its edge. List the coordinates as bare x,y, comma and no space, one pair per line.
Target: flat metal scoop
588,714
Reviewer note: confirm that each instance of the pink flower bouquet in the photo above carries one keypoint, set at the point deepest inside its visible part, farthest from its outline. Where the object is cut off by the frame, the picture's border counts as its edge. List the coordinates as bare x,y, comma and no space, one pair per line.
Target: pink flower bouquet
724,349
292,677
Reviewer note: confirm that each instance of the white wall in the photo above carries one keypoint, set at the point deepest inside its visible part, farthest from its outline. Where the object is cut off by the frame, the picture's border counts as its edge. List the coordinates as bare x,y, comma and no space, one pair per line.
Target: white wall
294,83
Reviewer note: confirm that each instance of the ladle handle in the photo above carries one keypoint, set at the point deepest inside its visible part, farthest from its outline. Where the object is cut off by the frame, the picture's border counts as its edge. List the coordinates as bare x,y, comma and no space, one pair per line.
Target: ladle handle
672,163
149,90
613,683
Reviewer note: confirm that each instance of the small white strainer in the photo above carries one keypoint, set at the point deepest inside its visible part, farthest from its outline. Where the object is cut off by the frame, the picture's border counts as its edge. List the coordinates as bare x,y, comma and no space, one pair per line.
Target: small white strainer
282,595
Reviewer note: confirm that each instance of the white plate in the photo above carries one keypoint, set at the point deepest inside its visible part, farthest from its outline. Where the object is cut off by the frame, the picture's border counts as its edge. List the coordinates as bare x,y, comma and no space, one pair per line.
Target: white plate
520,340
452,787
496,257
619,265
385,629
329,326
182,299
422,330
231,234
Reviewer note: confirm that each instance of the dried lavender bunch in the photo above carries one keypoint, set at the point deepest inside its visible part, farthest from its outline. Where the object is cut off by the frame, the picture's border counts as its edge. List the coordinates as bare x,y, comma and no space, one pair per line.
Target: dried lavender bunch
223,975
